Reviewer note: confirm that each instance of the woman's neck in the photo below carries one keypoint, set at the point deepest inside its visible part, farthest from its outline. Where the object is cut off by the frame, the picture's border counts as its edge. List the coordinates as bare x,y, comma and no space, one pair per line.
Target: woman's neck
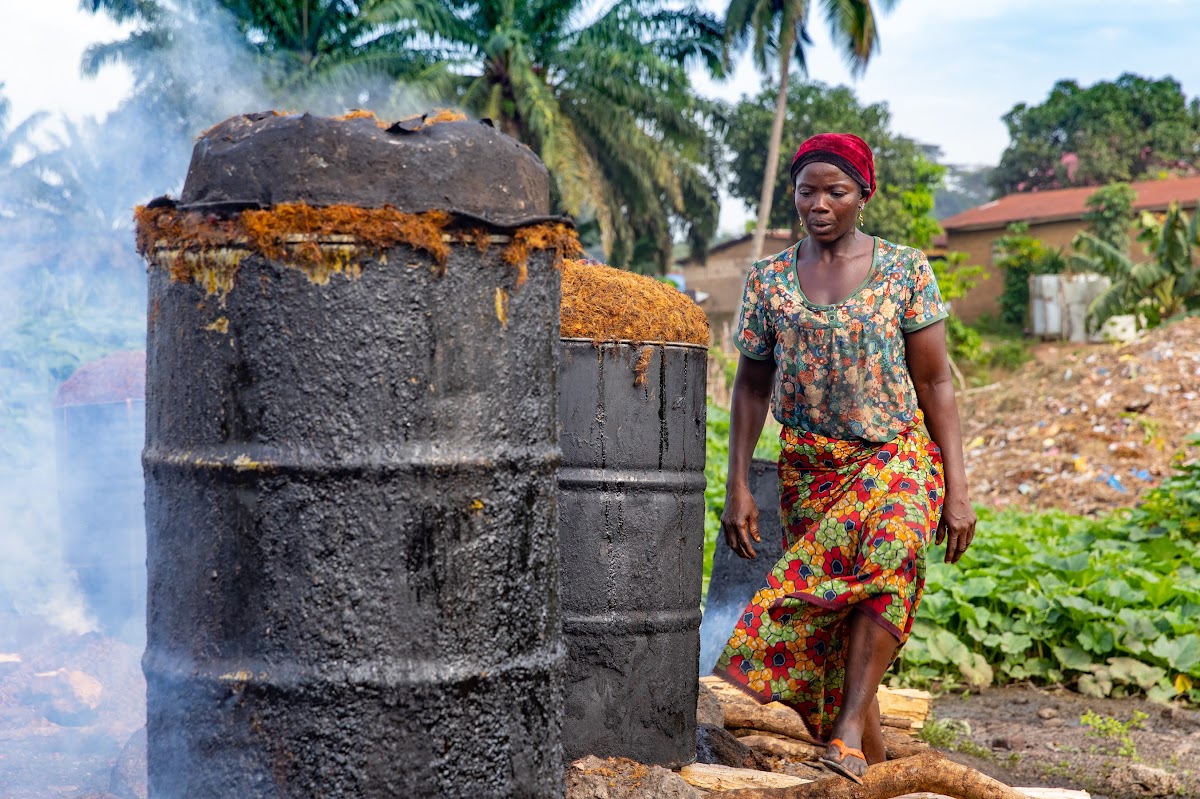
844,246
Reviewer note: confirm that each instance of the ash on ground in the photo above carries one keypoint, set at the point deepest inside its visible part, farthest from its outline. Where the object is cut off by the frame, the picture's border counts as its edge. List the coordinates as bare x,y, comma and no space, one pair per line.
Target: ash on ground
69,704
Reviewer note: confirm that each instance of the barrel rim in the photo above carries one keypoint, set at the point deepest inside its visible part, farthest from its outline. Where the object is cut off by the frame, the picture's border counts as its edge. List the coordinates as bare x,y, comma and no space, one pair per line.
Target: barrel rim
122,402
632,343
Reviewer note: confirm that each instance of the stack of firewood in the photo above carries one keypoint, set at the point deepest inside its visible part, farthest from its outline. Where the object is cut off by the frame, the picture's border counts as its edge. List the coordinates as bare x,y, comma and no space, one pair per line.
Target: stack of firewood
785,754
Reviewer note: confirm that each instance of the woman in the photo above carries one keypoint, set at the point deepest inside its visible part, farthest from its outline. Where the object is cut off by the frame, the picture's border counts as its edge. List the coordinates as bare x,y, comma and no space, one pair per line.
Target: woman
846,331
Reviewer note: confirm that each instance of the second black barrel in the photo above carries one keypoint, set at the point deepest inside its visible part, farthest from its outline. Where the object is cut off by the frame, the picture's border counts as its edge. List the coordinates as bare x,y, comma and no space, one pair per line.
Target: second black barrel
631,511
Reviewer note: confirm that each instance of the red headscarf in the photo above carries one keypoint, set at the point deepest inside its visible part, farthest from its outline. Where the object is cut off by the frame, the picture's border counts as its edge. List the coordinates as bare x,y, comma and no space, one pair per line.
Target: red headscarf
845,151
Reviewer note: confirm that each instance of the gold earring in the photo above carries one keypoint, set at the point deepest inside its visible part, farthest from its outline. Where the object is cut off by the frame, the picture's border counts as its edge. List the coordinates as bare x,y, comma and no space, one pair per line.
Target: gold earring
860,216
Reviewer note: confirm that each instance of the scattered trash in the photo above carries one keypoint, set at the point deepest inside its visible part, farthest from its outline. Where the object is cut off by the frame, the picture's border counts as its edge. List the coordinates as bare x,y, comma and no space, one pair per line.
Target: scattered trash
1095,443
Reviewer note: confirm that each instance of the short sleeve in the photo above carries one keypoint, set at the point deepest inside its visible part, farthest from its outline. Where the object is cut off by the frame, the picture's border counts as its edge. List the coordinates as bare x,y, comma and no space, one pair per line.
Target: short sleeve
925,304
755,331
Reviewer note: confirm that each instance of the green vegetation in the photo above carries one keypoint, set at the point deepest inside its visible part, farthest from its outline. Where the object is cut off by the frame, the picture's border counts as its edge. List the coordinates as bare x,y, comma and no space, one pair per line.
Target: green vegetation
1165,285
1113,730
1109,217
1111,131
1105,604
953,735
1020,256
604,99
955,278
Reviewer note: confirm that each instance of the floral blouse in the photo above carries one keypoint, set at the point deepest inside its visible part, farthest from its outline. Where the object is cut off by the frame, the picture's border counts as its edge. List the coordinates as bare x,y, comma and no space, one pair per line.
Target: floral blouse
840,370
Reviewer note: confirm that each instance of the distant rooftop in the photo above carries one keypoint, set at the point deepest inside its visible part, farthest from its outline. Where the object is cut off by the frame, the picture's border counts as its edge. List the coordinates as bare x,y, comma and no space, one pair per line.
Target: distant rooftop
1063,204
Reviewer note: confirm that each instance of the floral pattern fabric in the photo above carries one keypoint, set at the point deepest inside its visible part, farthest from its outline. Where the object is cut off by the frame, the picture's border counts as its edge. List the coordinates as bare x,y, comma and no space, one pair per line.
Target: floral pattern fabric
840,370
857,518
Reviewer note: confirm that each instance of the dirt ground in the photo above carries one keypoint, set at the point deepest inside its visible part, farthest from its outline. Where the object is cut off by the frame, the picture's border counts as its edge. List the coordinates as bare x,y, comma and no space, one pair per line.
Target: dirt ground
1085,428
1026,736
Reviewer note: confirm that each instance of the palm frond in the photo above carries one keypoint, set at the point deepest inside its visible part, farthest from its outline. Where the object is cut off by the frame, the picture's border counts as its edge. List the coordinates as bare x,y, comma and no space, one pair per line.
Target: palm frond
852,24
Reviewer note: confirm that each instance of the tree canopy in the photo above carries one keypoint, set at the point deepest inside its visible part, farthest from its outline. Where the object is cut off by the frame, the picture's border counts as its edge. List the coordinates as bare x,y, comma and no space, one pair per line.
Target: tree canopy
902,208
606,103
777,32
602,95
1111,131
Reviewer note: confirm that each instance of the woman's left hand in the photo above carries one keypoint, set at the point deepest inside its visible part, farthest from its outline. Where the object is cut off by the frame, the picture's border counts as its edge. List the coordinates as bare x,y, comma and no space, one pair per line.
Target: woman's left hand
957,527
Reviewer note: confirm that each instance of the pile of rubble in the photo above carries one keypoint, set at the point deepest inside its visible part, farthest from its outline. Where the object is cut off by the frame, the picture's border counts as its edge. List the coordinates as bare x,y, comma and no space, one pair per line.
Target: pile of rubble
1086,429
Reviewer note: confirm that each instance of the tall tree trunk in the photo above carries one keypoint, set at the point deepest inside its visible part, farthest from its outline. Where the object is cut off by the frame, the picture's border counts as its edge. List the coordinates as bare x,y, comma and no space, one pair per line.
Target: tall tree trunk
786,38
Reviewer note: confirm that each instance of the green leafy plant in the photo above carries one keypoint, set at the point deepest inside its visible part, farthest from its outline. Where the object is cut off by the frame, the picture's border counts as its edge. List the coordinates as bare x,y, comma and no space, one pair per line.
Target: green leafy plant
941,733
1172,508
1163,286
1114,730
1110,214
1055,598
1020,256
953,735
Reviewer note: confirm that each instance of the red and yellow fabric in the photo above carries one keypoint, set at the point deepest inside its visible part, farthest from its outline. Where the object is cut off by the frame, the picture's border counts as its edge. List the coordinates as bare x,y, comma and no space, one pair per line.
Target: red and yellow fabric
857,517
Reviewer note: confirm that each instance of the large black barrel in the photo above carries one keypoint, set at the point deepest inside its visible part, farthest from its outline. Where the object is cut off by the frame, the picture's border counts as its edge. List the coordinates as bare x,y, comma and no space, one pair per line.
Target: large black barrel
735,580
631,502
351,498
99,427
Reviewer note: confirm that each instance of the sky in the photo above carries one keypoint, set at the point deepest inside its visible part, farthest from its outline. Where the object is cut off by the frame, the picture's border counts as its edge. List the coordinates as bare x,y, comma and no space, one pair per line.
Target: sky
948,69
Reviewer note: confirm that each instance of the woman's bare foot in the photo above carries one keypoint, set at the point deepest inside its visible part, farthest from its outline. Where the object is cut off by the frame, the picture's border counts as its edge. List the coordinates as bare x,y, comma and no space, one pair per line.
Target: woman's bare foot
844,758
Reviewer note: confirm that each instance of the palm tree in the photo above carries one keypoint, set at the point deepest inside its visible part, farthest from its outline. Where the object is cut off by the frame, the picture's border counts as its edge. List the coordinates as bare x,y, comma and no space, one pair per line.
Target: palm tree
325,52
778,30
604,98
606,103
1163,286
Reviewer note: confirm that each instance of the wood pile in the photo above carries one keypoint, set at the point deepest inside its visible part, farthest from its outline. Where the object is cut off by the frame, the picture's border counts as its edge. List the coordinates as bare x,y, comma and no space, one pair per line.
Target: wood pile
913,771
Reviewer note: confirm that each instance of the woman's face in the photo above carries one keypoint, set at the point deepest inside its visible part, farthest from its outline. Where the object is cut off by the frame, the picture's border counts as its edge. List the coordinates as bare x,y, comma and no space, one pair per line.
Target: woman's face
827,200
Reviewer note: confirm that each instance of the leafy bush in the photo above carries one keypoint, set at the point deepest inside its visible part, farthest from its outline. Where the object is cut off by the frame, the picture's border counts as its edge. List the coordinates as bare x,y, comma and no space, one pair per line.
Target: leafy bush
1171,509
1021,255
1006,354
1056,598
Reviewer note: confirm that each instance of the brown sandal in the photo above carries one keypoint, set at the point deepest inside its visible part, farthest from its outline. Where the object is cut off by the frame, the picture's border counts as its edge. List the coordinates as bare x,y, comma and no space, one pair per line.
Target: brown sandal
837,766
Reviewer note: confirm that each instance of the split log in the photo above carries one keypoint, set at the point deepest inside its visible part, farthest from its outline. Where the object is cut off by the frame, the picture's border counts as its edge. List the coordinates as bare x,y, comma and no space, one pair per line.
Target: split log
725,778
743,712
718,746
928,773
907,703
782,746
1031,793
898,744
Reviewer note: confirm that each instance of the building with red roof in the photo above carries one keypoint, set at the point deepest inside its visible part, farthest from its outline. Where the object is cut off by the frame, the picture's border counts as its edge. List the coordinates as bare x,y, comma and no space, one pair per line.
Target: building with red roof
1054,217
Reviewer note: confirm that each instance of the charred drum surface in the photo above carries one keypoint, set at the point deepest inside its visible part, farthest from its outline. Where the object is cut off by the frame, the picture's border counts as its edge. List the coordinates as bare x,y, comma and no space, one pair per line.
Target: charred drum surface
631,502
352,528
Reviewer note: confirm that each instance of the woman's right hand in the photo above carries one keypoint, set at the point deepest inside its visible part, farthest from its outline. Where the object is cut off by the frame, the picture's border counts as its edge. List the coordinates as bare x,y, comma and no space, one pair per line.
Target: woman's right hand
740,521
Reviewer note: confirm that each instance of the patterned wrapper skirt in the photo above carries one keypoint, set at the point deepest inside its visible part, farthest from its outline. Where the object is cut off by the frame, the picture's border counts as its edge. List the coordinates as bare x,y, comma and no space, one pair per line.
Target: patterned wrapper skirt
856,520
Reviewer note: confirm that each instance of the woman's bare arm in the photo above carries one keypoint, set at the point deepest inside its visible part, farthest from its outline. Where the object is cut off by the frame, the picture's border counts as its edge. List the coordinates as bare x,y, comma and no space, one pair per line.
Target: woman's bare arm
751,398
929,366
